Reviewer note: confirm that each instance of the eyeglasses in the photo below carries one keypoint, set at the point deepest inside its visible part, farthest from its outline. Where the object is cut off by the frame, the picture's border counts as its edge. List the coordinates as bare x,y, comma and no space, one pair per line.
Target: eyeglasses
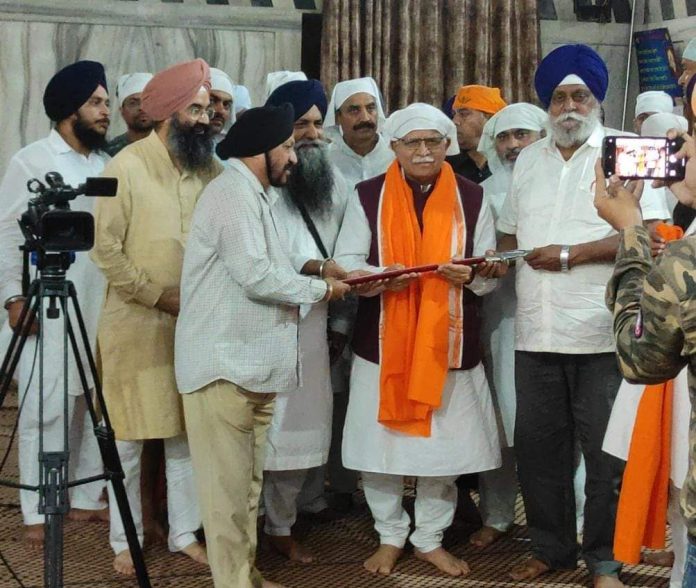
431,143
197,111
579,97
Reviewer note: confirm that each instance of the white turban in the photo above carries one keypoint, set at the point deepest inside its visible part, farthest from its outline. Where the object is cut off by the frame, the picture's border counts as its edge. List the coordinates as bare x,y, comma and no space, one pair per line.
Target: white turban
278,78
242,100
129,84
221,82
690,51
657,125
572,80
653,101
344,90
421,117
515,116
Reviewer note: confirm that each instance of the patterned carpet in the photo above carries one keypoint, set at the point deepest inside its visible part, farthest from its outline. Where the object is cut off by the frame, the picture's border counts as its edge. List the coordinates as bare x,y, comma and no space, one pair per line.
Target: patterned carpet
340,547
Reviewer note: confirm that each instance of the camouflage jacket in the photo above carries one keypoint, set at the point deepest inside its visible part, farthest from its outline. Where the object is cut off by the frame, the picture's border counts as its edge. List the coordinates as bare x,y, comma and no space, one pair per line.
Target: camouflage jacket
654,307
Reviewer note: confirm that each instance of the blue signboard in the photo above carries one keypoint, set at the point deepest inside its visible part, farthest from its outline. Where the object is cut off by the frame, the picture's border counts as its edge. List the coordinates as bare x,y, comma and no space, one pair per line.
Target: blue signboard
657,65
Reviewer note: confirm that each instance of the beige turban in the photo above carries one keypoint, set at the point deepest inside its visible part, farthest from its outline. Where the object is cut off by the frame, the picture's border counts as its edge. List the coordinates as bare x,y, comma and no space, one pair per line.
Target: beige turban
172,89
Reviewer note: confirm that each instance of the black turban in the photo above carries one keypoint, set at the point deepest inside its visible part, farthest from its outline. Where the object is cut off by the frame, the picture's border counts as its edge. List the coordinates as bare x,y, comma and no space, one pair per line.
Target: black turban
257,131
71,87
302,94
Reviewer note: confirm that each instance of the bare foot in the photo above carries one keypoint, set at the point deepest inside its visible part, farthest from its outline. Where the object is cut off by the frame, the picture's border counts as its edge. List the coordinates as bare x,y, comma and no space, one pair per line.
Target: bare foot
290,548
663,558
89,516
123,563
608,582
269,584
529,570
196,552
383,560
34,537
485,536
444,561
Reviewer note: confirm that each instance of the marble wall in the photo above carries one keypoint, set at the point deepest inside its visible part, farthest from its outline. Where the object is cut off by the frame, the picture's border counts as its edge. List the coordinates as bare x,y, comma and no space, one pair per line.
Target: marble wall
41,36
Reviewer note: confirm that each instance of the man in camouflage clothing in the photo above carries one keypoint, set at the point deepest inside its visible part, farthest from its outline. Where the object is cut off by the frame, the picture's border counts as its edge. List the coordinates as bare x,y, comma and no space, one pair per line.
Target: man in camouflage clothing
654,306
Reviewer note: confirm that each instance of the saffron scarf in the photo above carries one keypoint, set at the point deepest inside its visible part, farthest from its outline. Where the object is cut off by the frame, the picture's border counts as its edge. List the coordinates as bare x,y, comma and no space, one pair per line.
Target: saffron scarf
421,326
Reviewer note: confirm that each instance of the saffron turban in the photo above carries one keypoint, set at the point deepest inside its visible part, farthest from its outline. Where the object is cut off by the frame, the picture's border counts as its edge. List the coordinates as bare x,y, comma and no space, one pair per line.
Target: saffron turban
578,60
481,98
421,117
173,89
257,131
302,95
71,87
276,79
657,125
515,116
129,84
653,101
344,90
242,100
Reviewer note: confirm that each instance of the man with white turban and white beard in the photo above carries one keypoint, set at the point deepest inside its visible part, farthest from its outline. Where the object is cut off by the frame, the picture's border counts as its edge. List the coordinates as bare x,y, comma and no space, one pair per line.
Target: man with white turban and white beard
308,214
566,371
419,402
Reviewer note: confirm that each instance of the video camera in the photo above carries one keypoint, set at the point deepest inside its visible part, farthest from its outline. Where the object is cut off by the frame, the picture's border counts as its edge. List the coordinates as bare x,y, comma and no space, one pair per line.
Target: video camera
48,224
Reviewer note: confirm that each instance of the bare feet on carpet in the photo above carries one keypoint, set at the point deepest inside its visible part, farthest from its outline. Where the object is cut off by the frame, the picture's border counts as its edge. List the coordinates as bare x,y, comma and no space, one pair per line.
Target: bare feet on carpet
444,561
123,563
608,582
34,537
383,560
290,548
89,516
196,552
529,570
485,536
663,558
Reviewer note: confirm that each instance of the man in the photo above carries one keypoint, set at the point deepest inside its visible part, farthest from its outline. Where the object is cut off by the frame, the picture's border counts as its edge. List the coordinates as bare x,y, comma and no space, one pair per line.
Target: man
654,304
473,106
140,242
419,402
649,103
128,97
237,335
688,64
76,100
242,100
222,102
354,116
566,376
503,137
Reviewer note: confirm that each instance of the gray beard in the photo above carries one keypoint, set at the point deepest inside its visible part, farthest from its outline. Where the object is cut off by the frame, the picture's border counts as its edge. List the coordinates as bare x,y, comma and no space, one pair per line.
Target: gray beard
311,181
569,138
194,151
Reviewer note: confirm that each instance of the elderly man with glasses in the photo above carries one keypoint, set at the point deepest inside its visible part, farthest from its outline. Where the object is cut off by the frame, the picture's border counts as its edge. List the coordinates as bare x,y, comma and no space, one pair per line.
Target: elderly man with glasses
419,401
139,246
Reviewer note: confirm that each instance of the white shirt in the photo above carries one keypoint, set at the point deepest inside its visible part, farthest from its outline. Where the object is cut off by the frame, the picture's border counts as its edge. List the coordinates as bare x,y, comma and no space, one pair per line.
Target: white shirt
239,292
551,202
34,161
356,168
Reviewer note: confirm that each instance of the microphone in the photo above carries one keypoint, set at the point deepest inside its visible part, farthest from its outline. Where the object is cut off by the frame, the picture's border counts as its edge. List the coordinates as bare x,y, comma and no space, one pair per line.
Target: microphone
99,187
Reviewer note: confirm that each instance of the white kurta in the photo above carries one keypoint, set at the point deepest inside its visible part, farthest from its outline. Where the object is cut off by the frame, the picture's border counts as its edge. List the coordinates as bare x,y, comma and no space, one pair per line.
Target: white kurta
356,168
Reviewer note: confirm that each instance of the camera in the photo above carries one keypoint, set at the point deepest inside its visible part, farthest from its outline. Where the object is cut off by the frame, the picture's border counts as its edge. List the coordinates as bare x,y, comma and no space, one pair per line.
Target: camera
48,224
643,158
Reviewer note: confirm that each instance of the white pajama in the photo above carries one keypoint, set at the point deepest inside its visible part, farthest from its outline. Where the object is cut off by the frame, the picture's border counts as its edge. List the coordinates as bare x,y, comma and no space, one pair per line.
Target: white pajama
182,502
498,492
281,490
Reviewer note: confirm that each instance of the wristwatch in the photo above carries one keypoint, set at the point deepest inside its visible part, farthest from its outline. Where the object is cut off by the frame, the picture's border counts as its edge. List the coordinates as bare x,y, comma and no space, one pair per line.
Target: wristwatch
565,256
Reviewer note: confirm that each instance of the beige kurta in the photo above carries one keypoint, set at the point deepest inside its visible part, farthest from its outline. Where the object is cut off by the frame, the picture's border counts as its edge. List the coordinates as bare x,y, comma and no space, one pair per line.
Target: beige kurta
140,238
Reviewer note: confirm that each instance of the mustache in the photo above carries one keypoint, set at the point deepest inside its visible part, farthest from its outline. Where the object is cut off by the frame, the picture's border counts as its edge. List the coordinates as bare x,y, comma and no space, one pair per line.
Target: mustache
365,125
305,143
426,159
513,152
570,116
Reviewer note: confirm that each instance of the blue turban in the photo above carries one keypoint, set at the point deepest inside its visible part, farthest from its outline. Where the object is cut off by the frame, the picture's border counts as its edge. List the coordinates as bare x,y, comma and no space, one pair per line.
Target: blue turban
71,87
302,94
581,60
447,106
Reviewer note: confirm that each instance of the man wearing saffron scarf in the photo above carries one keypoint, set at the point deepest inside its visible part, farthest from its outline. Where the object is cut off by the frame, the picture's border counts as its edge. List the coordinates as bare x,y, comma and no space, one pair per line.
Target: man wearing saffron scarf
419,401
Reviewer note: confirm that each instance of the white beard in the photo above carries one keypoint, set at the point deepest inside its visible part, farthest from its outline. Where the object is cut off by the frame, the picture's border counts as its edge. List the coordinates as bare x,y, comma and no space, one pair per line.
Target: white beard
577,136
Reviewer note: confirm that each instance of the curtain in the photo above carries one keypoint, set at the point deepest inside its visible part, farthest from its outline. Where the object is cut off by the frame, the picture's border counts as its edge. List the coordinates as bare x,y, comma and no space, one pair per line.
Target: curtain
423,50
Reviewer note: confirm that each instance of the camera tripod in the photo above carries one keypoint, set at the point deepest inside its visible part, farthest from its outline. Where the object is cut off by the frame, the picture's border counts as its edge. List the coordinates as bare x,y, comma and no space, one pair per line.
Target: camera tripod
53,484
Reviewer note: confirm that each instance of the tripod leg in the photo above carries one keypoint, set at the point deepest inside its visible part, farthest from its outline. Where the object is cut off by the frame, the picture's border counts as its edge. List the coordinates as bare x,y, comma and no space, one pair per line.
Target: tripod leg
106,439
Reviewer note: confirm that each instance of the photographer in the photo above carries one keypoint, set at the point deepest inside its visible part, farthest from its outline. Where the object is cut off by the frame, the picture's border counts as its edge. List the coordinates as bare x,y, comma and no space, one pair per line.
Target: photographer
654,303
76,100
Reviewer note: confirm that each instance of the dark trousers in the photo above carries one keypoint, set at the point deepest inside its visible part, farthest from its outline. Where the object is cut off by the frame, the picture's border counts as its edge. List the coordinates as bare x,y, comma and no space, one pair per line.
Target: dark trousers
561,397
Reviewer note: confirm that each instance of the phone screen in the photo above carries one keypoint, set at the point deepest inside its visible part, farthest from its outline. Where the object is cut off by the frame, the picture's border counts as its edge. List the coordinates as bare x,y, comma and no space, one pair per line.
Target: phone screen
642,157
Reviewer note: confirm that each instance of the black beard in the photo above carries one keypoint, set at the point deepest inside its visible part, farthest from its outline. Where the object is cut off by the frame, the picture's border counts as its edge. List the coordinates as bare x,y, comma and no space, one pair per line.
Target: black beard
191,148
87,136
311,182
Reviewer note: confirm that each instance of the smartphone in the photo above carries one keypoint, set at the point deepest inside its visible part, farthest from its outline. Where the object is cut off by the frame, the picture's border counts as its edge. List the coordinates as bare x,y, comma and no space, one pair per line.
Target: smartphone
643,158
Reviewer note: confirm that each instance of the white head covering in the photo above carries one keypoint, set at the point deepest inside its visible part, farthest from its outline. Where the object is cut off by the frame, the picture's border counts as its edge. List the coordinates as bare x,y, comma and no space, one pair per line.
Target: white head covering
278,78
421,117
571,80
657,125
242,100
653,101
344,90
690,51
129,84
515,116
221,82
